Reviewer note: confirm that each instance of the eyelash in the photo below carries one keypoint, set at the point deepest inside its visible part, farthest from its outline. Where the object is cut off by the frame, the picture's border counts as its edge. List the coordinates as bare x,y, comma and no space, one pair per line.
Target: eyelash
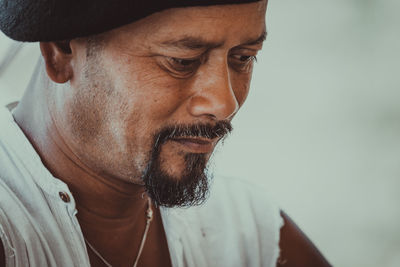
187,66
182,64
244,66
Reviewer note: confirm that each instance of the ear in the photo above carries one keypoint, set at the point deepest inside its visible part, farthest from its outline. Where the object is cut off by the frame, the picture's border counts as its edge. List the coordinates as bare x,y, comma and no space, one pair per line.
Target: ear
57,56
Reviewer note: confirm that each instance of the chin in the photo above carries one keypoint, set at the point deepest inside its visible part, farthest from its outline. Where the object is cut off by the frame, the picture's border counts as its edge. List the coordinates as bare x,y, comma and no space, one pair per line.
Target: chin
187,188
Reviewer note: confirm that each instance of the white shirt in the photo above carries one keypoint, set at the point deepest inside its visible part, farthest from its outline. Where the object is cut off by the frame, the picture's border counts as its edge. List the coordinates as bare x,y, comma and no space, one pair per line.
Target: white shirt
237,226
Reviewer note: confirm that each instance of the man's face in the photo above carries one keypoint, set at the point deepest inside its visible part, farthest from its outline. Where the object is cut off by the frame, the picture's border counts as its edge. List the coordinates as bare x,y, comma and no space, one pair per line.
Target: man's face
149,101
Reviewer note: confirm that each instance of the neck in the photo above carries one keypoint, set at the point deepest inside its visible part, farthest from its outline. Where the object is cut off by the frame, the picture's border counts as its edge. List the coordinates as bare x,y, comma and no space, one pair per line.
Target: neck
100,198
97,195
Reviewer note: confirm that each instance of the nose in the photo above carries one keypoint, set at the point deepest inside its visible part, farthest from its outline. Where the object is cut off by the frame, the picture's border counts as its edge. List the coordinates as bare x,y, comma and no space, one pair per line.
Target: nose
214,97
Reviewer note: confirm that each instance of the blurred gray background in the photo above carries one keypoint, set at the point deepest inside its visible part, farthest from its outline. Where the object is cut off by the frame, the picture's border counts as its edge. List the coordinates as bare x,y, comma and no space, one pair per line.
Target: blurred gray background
321,127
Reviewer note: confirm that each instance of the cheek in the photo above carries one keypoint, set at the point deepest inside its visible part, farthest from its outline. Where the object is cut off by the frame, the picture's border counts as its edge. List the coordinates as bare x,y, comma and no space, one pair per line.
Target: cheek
147,98
149,90
241,87
84,114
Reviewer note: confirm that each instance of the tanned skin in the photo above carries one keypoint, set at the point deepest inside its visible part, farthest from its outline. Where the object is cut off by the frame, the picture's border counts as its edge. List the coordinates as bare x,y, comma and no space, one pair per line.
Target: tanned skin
296,249
92,124
2,255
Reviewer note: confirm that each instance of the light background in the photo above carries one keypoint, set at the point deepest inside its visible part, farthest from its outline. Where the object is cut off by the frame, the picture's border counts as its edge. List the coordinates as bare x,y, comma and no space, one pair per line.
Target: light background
321,127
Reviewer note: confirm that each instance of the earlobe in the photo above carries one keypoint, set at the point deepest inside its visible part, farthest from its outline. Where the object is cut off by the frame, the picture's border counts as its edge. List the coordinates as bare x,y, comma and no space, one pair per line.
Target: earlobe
57,56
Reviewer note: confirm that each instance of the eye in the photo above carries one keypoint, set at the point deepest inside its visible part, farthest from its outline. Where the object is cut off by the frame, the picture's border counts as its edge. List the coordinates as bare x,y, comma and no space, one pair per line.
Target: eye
183,62
245,58
182,66
242,63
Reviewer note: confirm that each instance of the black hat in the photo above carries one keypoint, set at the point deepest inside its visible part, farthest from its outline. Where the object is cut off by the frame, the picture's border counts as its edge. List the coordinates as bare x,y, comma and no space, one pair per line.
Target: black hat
52,20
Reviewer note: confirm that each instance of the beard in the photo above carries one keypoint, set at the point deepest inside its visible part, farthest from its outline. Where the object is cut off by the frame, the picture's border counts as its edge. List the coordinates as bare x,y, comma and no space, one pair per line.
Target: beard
192,187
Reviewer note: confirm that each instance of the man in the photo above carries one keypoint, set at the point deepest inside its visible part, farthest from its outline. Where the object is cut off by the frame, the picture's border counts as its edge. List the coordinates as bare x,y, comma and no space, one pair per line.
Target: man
116,129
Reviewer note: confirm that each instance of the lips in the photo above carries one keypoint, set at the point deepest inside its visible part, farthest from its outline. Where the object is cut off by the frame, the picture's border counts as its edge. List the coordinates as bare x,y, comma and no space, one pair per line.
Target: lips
196,145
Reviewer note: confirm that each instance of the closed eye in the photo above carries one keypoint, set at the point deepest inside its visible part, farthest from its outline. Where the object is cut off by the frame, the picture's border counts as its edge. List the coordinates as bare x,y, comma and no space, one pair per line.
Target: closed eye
183,64
242,63
179,67
245,58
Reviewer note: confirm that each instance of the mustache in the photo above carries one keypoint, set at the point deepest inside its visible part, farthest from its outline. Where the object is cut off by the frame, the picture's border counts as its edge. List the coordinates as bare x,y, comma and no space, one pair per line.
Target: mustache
204,130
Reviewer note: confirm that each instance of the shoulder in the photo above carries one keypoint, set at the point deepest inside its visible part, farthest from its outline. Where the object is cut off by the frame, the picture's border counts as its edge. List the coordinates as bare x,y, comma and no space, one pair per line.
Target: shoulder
2,254
12,210
296,249
6,231
248,215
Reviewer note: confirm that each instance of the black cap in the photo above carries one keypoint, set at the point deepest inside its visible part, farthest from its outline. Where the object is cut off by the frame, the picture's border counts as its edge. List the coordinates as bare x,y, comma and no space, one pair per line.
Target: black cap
54,20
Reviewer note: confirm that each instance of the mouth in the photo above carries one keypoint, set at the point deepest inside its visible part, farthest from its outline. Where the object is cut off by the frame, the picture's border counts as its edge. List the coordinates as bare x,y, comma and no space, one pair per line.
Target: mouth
196,144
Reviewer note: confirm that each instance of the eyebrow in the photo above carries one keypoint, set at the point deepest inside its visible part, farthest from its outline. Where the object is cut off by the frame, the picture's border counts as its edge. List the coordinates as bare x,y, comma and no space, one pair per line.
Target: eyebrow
191,42
195,43
257,41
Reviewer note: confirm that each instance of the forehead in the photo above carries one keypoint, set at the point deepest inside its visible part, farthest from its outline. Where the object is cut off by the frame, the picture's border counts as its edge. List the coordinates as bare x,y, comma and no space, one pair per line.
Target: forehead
238,23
